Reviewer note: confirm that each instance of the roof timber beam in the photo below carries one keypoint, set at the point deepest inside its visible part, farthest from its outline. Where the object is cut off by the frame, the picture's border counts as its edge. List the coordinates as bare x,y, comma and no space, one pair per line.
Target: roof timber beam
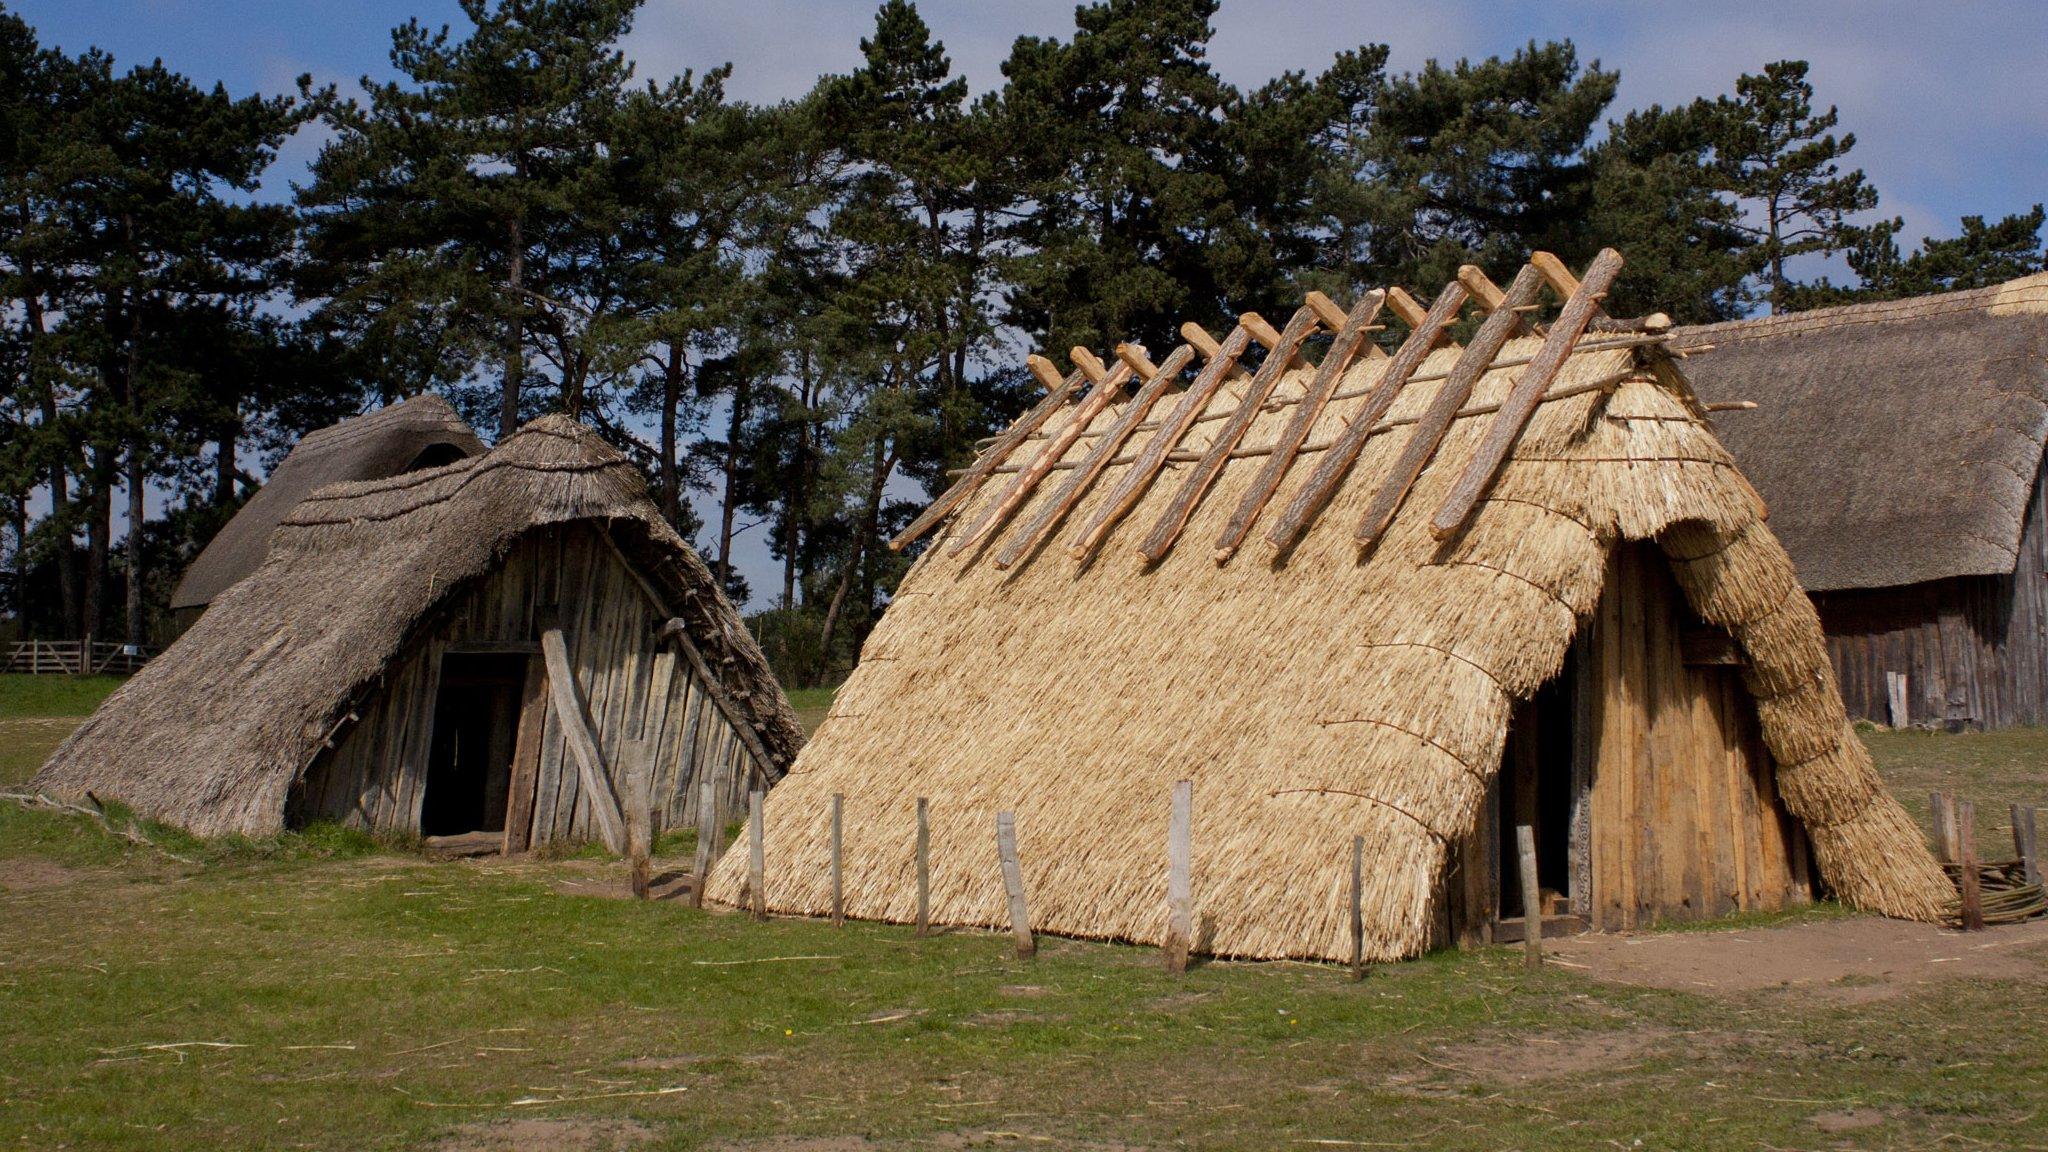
1580,304
1443,408
1091,406
1407,307
1056,395
1490,298
1222,362
1157,380
1352,330
1314,495
1170,523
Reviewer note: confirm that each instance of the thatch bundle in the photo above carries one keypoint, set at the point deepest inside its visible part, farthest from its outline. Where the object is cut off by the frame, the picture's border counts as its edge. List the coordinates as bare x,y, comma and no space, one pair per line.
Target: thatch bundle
212,734
1311,698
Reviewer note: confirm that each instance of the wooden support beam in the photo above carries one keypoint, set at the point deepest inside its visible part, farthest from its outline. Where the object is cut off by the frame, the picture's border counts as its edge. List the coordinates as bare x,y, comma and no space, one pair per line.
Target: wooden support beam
1013,884
999,512
710,830
1175,517
1047,374
1443,409
1134,355
519,795
1261,331
1972,885
1329,475
1180,918
1490,298
1351,329
1146,467
1528,390
1532,897
566,695
1090,365
674,631
968,484
1207,345
1407,307
1055,509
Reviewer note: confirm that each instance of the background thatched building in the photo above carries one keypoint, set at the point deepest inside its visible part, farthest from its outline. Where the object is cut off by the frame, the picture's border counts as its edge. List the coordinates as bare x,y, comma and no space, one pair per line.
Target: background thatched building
1899,448
388,666
422,432
1609,646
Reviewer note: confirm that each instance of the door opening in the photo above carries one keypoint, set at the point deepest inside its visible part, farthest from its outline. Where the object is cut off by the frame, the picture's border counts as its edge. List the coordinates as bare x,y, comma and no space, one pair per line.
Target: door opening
476,724
1536,786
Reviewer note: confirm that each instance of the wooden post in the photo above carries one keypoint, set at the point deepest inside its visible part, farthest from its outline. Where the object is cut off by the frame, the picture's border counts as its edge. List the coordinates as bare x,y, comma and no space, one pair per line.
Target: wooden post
1944,806
1532,898
566,695
1802,869
519,795
1896,700
709,830
757,864
924,867
1966,840
1180,919
1358,907
838,875
2025,846
1013,881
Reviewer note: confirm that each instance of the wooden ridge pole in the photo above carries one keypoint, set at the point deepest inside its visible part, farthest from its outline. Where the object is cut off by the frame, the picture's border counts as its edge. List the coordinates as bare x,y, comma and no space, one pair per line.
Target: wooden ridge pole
1157,381
1323,483
1580,305
1428,435
1168,527
999,512
1056,395
1222,360
1180,917
566,696
1351,332
1013,884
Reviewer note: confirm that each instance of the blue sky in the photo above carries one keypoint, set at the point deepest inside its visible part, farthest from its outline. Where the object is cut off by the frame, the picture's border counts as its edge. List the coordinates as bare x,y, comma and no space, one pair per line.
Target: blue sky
1946,98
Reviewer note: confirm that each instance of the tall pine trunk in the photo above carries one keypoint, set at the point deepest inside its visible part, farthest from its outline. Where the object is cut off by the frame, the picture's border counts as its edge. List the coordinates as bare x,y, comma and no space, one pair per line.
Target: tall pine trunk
671,396
742,395
132,553
515,337
884,464
72,623
99,530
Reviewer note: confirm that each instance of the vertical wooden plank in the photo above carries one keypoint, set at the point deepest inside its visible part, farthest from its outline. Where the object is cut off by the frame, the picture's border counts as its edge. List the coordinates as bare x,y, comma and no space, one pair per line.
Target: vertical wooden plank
1358,907
709,831
1013,883
757,862
1585,755
2025,844
838,871
1944,809
565,695
924,868
1532,897
519,796
1966,854
1180,921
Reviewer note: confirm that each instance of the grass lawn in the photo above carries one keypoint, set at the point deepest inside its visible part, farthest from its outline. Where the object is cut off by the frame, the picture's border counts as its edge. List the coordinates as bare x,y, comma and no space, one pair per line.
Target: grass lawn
37,712
324,991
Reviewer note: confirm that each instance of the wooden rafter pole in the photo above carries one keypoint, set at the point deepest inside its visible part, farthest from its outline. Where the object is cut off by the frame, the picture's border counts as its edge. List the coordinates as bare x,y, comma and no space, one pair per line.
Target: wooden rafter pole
1407,307
1168,528
566,696
1443,408
1351,330
1322,485
1490,298
1581,302
1157,380
1105,390
1057,393
1222,360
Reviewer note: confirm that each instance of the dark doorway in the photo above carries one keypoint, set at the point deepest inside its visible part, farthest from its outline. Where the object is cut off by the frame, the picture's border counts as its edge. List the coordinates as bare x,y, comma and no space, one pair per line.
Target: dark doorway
476,723
1536,781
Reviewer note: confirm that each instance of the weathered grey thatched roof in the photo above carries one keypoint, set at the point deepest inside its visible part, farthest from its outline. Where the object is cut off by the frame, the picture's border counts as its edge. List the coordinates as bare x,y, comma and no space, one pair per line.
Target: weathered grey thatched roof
370,447
1894,443
212,733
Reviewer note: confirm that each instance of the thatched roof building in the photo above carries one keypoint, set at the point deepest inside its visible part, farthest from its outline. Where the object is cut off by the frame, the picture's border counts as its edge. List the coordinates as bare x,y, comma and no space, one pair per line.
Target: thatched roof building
1417,600
421,432
389,665
1899,446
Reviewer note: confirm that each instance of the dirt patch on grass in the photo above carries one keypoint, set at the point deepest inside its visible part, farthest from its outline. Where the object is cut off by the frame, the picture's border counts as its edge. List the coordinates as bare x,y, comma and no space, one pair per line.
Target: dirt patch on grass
1847,1120
1855,960
559,1134
34,874
1533,1059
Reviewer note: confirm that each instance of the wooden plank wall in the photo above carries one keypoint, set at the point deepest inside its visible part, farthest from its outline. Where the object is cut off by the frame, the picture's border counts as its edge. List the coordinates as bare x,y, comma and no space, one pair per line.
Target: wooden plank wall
376,774
1676,815
1974,648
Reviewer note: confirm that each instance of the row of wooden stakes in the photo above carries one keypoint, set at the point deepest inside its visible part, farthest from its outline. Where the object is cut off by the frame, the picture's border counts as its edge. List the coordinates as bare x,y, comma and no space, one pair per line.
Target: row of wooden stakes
1508,311
1988,891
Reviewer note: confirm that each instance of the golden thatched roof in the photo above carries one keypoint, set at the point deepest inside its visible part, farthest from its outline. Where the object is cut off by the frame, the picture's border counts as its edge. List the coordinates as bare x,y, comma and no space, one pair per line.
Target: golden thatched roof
212,734
1035,660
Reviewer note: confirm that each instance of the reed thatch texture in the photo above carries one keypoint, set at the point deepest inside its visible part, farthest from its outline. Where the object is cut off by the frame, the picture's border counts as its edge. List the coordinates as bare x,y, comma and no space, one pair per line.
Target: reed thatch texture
369,447
1310,700
212,734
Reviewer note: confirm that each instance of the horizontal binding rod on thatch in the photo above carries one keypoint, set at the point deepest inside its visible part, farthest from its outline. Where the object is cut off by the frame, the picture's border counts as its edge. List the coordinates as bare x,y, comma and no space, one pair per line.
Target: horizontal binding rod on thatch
1024,429
998,513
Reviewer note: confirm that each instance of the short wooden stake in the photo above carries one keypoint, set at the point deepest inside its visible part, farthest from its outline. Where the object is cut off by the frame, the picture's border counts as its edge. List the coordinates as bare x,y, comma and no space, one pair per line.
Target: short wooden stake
1013,881
757,864
924,867
2025,846
838,874
1358,907
709,830
1966,843
1944,807
1532,898
1180,918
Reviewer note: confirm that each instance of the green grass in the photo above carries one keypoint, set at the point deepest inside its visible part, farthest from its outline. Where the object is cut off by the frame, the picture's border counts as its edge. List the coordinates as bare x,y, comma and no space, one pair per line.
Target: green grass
323,989
53,695
1992,769
811,705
